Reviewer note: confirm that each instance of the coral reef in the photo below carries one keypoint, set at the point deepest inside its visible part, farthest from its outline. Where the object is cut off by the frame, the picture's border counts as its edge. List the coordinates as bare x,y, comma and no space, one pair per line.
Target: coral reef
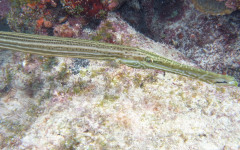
107,106
91,8
33,16
64,103
64,30
51,17
210,41
113,4
87,8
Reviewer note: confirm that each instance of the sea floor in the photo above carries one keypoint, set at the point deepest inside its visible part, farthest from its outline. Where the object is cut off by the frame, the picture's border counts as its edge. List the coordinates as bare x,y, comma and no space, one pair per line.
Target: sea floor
65,103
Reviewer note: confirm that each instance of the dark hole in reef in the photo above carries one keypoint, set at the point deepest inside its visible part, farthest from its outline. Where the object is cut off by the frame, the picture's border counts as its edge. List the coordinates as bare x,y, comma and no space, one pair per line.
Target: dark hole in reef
4,25
169,9
162,10
93,24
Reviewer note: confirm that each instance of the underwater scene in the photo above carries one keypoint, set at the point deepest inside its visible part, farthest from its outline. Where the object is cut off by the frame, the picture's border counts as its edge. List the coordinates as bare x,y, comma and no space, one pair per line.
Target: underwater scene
120,74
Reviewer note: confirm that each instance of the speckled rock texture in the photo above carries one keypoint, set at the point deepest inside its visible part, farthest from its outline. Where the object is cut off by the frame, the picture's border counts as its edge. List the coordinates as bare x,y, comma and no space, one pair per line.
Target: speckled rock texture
64,103
210,41
4,8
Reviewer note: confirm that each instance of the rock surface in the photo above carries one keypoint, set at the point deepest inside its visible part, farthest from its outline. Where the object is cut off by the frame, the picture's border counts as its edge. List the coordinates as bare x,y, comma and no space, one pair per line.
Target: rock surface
43,105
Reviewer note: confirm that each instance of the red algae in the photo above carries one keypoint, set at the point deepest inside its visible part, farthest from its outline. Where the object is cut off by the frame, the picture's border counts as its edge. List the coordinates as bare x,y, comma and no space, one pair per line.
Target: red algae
87,8
64,30
39,23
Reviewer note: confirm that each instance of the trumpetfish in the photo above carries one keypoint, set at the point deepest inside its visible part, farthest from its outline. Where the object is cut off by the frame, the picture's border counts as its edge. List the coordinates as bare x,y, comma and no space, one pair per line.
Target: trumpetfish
130,56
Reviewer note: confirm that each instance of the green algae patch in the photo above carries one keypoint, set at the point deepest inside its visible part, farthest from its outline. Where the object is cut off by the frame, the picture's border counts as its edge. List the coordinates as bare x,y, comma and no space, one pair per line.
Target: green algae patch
49,63
112,63
16,130
19,3
45,96
140,80
97,72
70,142
33,110
80,87
221,89
83,73
107,99
7,80
63,74
8,76
104,33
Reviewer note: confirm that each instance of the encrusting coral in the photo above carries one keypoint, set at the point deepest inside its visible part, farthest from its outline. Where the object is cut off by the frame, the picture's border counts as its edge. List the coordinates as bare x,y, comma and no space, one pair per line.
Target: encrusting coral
91,8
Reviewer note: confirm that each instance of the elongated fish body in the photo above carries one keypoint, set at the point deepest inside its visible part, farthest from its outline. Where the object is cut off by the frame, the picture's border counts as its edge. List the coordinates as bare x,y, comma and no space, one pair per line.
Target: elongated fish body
131,56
